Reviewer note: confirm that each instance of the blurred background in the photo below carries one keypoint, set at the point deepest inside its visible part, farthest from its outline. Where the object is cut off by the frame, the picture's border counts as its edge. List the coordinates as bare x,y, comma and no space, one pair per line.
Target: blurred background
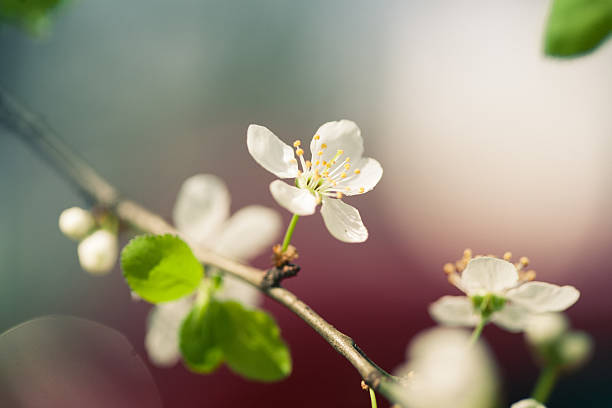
485,142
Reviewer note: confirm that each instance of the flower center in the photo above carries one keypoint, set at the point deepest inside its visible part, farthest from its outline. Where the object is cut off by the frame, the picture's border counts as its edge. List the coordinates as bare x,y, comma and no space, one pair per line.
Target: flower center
325,177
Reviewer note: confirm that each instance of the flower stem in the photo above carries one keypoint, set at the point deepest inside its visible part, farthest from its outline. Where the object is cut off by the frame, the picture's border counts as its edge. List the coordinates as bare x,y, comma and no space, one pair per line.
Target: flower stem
289,232
546,383
373,398
478,330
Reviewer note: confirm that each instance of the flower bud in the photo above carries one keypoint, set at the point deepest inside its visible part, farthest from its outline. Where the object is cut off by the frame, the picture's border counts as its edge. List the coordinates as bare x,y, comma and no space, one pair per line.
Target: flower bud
545,328
98,252
527,403
575,348
76,222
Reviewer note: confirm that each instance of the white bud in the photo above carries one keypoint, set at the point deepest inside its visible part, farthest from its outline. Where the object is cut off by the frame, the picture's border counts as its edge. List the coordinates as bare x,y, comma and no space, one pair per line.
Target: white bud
575,348
98,252
527,403
545,328
76,222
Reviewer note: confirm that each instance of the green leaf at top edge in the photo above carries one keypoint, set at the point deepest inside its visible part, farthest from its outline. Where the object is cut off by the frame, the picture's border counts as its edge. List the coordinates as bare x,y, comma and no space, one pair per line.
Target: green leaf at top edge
576,27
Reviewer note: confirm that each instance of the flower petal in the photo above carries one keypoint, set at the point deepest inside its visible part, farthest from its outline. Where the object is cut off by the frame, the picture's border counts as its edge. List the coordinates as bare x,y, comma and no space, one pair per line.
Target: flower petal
270,152
341,135
203,203
370,172
297,200
487,274
454,311
512,317
343,221
162,341
540,297
235,289
248,232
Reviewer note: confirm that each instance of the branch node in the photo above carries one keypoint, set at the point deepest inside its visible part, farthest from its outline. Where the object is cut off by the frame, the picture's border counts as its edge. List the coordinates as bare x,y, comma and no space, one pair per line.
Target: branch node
274,276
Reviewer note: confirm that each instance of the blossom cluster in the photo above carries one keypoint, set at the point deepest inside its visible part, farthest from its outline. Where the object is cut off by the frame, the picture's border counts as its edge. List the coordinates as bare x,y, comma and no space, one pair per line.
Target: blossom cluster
445,366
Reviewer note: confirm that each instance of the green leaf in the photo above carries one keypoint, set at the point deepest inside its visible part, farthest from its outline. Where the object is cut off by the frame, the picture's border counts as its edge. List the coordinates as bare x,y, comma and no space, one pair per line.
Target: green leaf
160,268
577,26
199,348
30,14
251,343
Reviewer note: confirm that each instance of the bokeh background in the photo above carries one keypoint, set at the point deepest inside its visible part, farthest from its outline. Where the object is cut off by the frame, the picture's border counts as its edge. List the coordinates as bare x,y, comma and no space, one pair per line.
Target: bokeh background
485,143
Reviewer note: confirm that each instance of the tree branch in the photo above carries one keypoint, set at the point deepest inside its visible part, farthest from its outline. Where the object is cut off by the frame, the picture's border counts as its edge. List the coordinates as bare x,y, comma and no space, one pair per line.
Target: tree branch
41,137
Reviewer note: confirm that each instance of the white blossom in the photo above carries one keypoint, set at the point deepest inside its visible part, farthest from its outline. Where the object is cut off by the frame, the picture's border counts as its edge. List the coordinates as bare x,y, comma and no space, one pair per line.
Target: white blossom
76,223
527,403
98,252
494,290
201,214
443,370
336,169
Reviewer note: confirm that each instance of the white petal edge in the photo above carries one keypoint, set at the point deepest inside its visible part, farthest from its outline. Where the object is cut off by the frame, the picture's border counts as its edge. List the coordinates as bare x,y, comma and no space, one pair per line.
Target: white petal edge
202,205
343,221
162,341
235,289
513,318
527,403
489,275
271,153
342,135
249,232
370,174
297,200
454,311
541,297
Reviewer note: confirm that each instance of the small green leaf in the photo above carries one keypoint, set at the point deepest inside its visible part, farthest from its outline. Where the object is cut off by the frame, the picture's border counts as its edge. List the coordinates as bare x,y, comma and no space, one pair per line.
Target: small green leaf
251,343
160,268
577,26
199,348
30,14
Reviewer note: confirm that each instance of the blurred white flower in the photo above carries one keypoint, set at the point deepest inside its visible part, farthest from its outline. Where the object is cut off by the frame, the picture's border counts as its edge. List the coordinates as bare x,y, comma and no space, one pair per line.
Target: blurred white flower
201,215
98,252
527,403
76,223
336,169
443,371
575,348
495,292
545,328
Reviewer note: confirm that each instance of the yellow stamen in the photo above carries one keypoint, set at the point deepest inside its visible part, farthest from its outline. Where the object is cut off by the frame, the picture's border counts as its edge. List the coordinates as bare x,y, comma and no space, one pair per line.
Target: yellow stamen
348,189
343,175
449,268
299,152
507,256
338,154
524,261
339,195
308,164
361,189
316,137
293,161
357,171
347,166
297,143
317,163
320,153
323,146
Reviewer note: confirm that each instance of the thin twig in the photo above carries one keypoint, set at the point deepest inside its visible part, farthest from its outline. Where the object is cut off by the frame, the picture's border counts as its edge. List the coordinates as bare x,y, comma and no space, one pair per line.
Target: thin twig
39,135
